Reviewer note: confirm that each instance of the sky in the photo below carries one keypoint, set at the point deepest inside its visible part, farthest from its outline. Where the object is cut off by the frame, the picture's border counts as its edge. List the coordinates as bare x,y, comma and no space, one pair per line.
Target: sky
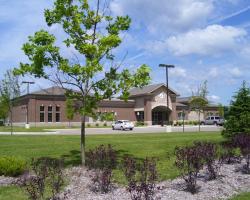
204,39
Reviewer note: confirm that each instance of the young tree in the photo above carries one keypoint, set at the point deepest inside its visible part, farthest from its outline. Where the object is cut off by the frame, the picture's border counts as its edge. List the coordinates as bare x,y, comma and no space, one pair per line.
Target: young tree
70,109
238,120
199,100
3,109
9,91
93,33
221,110
203,90
198,103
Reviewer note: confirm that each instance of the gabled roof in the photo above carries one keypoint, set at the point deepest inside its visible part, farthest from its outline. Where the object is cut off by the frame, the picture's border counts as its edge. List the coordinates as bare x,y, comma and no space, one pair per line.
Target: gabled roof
183,99
55,90
181,104
149,89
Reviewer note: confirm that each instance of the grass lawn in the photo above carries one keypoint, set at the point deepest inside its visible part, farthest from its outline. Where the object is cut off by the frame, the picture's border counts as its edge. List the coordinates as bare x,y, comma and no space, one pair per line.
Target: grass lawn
243,196
160,145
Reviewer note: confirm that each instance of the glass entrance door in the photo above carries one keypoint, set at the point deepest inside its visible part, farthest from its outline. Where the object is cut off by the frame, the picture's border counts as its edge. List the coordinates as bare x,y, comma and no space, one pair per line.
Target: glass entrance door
157,118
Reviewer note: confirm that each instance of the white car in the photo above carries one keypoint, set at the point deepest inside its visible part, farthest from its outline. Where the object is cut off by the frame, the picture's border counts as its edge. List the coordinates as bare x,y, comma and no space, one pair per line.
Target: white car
123,125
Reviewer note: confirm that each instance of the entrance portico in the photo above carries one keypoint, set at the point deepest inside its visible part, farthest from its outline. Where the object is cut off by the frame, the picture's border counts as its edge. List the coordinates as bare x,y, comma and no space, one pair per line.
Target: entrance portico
151,104
160,115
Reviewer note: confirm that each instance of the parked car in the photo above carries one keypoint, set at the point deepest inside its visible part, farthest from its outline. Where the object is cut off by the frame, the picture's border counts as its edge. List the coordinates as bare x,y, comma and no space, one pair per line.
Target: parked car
213,120
123,125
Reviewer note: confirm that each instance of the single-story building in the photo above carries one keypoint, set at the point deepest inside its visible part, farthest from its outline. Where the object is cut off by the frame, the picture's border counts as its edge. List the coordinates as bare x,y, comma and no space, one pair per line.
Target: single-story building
147,104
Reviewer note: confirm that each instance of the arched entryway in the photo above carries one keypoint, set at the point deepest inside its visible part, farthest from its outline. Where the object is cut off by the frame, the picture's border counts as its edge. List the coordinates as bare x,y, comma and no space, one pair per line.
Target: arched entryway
160,115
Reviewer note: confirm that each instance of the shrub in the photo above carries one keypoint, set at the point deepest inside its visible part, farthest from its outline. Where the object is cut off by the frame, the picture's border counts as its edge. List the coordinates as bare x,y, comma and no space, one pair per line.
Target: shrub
102,180
195,123
97,125
1,123
229,154
105,124
48,175
102,159
33,185
12,166
209,153
88,125
141,177
139,123
189,161
243,142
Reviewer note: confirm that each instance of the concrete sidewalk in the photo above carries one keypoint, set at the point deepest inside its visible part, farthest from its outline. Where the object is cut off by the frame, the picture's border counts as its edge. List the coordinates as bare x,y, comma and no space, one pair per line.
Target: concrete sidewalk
102,131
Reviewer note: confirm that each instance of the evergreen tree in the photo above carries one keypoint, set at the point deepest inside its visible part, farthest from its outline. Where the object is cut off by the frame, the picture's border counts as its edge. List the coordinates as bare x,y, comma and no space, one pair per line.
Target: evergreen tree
239,113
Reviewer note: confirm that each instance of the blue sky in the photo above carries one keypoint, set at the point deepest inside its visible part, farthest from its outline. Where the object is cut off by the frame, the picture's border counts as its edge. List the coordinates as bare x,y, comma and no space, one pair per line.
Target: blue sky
204,39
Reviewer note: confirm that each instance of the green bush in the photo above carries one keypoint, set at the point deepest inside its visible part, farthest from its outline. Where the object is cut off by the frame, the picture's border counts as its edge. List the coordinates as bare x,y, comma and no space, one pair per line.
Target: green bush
195,123
88,125
12,166
105,124
1,123
97,125
139,123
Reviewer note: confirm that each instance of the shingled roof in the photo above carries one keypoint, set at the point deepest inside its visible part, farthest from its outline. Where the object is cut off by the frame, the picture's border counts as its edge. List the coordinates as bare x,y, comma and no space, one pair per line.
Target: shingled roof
55,90
148,90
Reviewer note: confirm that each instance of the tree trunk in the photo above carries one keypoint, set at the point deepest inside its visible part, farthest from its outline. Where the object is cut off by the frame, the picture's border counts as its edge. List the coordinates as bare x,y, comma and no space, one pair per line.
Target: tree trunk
11,124
83,140
199,121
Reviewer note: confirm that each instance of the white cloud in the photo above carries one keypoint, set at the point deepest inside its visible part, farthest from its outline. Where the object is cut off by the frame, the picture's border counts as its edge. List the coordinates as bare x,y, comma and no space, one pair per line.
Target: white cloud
213,40
178,72
214,98
213,72
235,72
167,16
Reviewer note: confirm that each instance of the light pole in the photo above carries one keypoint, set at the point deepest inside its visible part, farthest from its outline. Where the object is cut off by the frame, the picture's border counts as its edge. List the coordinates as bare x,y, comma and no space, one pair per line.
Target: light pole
167,66
27,106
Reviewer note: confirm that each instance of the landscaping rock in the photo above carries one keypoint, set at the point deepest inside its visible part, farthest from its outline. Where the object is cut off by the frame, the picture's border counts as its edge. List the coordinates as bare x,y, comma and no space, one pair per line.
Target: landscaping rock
229,183
5,181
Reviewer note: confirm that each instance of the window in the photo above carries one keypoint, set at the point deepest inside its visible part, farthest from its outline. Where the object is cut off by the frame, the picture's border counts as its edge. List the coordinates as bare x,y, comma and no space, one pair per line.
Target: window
58,114
41,113
140,116
50,109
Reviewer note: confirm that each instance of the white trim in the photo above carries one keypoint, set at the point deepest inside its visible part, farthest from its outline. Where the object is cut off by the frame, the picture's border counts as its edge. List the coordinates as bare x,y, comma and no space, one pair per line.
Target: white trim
138,109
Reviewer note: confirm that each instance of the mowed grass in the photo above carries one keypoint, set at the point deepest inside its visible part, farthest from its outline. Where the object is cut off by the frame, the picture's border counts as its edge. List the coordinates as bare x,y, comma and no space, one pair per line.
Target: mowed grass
243,196
160,145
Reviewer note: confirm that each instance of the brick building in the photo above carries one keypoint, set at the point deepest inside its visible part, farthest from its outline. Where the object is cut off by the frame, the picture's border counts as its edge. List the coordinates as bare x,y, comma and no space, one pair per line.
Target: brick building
148,104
